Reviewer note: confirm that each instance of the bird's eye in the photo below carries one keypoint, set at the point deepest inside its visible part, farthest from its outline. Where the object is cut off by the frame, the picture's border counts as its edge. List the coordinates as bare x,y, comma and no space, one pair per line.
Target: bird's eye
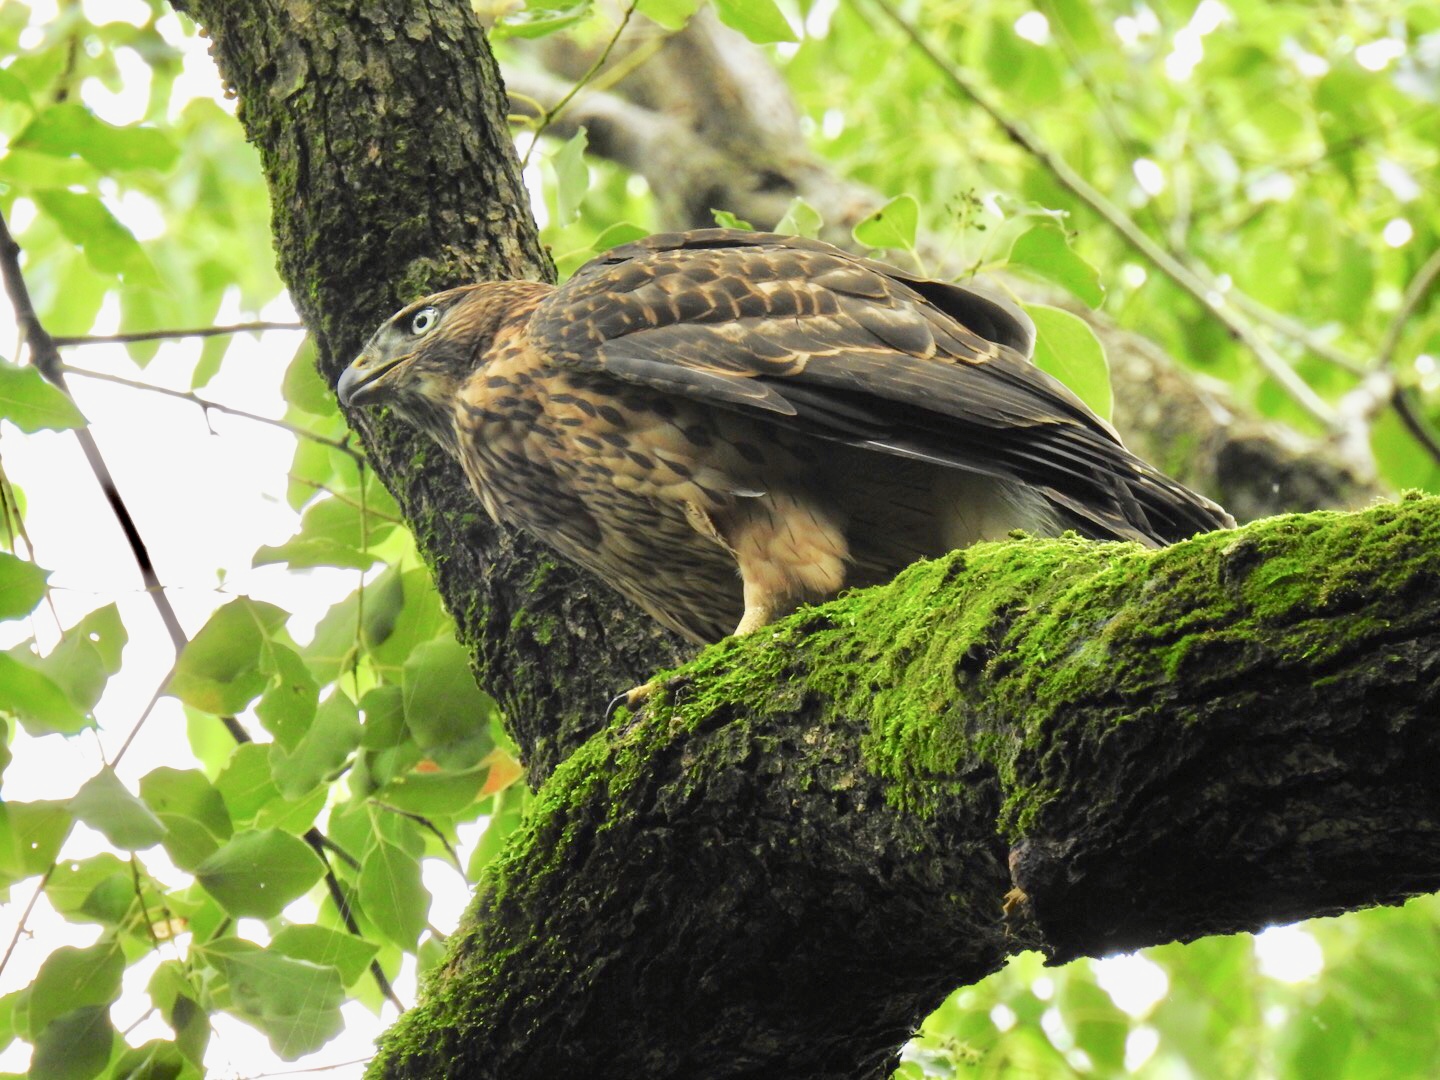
424,321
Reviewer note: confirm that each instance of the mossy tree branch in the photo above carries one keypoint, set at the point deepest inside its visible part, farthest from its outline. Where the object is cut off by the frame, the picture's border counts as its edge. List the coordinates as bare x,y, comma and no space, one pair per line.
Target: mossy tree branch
784,862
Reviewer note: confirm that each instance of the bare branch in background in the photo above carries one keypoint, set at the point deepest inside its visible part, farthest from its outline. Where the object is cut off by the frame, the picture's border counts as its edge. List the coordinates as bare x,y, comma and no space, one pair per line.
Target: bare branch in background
209,405
166,335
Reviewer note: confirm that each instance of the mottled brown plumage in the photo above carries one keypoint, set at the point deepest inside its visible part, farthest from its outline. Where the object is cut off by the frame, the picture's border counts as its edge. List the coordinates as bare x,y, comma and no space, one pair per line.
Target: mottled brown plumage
725,425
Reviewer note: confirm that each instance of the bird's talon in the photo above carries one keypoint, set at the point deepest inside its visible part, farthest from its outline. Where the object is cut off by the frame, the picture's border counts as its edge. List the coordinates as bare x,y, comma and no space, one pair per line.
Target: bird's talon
632,699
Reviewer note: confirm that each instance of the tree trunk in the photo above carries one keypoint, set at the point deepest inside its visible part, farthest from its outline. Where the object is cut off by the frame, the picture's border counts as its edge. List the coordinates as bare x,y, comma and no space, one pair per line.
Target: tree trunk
789,857
392,174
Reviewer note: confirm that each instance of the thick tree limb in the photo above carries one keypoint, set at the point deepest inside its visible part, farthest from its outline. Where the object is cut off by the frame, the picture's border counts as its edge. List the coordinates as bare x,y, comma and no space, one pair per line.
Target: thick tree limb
1151,745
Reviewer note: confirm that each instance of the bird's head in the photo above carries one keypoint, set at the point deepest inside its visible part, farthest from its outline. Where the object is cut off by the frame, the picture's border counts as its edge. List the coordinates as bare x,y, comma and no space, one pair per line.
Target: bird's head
420,356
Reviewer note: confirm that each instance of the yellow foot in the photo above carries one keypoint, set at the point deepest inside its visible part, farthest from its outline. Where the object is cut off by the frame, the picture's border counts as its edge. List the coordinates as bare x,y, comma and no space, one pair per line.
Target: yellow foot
635,697
1014,900
632,699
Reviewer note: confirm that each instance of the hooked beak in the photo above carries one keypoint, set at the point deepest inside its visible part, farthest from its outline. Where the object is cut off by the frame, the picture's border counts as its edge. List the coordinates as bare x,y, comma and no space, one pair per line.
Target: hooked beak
358,382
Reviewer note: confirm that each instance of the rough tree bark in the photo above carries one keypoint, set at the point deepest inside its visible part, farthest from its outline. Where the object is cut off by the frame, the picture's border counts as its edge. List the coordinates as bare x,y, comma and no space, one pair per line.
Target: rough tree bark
805,843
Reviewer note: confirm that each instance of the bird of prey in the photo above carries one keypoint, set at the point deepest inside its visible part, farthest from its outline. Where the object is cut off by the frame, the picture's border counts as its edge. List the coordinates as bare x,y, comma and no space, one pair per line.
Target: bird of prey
725,425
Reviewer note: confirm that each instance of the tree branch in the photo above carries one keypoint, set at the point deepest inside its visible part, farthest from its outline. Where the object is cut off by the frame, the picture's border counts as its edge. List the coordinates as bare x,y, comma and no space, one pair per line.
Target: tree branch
165,335
1146,745
46,358
208,405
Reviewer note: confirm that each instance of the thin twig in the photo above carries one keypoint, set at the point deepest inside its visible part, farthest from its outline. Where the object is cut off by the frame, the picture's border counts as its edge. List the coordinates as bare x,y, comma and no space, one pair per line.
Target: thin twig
1188,281
549,115
167,335
1297,332
46,358
25,917
365,512
1409,413
338,851
425,822
1419,287
342,904
208,405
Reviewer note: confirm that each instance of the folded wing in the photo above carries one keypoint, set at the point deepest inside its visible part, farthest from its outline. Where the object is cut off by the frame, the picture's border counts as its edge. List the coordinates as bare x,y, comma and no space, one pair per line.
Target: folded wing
849,350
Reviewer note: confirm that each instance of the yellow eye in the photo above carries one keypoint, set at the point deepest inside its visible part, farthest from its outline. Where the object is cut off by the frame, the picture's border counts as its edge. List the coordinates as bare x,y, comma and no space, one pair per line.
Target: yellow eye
424,321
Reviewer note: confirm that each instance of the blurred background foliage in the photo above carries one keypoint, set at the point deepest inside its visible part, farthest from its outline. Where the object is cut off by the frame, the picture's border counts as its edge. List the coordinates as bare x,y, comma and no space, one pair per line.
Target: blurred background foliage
1284,152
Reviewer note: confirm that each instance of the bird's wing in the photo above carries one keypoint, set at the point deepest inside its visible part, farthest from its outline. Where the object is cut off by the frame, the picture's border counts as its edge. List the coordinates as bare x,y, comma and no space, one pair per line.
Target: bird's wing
849,349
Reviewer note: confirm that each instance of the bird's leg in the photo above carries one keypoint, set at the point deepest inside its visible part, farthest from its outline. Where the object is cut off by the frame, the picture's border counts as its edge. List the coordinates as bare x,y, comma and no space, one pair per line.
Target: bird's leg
790,551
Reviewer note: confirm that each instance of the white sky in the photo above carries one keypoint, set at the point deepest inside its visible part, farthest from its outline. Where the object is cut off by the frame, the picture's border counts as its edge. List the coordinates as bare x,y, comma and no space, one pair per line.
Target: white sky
205,496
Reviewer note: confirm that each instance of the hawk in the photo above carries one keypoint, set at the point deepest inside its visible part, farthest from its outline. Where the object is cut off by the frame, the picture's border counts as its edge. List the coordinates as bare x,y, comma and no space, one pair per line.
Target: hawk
725,425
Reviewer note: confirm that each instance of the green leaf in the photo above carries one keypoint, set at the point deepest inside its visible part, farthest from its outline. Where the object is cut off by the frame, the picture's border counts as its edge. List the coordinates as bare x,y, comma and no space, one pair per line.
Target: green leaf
32,404
1068,349
103,803
384,709
333,532
1045,249
30,837
193,811
758,20
108,245
392,894
303,386
572,177
258,872
324,749
287,707
219,672
30,170
13,89
245,782
321,945
22,584
537,18
34,699
892,226
72,977
171,991
156,1060
437,792
86,656
505,817
1402,461
295,1002
75,1047
98,889
726,220
801,219
70,128
622,232
671,14
444,709
212,355
384,602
